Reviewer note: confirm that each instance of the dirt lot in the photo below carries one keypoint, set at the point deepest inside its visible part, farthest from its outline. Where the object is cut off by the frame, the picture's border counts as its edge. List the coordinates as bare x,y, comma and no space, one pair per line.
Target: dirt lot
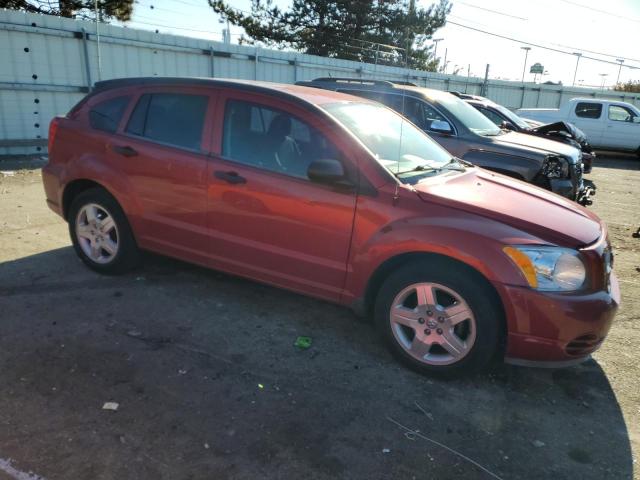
210,386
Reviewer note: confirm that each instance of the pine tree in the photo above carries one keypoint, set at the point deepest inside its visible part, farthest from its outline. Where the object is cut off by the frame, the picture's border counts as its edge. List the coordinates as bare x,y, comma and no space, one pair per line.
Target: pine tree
391,32
119,9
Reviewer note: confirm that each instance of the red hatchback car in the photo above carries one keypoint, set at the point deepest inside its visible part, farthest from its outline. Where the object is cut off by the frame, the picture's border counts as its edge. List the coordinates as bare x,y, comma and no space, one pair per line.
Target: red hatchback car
339,198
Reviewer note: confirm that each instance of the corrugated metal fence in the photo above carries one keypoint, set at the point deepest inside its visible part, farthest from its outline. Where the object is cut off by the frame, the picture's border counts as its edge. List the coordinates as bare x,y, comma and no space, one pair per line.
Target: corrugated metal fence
48,63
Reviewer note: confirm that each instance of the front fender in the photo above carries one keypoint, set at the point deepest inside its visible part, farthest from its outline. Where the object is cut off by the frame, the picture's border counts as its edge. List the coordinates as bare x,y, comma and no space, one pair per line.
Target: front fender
473,240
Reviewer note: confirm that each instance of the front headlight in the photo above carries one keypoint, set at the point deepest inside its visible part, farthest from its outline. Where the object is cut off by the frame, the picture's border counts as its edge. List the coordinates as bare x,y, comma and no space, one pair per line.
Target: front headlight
555,167
549,268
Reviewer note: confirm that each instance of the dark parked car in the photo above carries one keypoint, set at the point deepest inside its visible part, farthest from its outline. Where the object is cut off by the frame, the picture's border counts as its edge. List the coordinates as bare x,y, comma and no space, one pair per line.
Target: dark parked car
560,131
469,135
339,198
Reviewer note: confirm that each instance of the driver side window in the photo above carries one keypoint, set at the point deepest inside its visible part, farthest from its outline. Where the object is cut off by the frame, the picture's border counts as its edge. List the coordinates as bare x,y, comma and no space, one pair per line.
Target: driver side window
618,113
271,139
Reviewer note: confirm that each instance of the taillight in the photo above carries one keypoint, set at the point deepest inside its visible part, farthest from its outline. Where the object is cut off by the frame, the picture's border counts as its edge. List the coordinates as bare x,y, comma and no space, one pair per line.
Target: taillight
53,128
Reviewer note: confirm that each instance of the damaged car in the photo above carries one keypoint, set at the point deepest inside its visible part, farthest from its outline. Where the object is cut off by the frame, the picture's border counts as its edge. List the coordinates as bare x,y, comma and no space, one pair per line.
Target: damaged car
560,131
470,136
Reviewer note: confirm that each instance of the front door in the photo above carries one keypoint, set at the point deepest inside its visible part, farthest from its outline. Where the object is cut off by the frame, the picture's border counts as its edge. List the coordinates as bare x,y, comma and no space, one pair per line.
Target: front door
622,128
266,219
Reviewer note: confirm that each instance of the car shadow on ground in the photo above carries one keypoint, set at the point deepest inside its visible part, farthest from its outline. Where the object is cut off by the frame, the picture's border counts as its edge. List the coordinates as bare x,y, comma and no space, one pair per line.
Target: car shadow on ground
210,385
617,160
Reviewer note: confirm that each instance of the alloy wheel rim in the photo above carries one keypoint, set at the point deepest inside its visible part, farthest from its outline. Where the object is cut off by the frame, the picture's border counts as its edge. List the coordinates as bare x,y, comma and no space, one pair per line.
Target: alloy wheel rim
433,323
97,233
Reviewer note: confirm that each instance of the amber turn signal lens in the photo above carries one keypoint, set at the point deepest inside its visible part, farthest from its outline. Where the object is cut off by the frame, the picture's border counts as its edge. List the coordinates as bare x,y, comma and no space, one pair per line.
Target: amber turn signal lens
523,262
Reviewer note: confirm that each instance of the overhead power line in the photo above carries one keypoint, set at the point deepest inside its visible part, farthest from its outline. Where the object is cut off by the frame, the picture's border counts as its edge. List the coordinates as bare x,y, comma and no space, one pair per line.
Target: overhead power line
524,42
491,11
604,12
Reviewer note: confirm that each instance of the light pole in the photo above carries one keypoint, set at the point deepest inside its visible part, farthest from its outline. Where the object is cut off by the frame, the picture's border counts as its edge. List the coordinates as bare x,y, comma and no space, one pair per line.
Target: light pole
621,61
604,76
435,50
576,72
526,54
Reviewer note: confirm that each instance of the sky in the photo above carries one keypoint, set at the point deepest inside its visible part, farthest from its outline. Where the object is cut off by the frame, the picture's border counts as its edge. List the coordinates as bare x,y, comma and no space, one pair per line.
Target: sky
597,29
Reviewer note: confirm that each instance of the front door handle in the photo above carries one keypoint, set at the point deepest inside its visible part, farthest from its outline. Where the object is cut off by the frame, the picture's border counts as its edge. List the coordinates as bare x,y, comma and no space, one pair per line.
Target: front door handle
230,177
125,151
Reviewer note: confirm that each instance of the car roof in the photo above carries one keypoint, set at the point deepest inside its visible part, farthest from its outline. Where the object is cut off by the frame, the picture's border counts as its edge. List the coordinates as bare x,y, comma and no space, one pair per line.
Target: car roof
309,95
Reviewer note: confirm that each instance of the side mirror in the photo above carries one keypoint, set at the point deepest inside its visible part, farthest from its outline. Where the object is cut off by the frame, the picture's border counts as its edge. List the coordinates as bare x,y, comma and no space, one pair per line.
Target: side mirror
327,171
440,126
507,126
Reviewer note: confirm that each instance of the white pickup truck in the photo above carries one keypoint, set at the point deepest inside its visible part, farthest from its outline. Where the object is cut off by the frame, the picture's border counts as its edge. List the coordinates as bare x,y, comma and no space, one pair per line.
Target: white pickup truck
608,124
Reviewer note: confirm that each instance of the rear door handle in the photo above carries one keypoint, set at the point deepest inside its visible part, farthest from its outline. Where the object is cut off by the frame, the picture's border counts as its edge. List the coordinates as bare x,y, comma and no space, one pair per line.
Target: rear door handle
230,177
125,151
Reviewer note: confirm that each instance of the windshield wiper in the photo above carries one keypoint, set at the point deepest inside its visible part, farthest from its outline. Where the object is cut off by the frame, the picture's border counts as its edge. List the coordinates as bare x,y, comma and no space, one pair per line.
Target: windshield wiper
450,165
418,168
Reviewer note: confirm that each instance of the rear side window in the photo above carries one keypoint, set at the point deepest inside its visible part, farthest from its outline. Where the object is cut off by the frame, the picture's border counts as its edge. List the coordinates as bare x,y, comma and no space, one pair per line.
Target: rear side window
106,115
588,110
171,118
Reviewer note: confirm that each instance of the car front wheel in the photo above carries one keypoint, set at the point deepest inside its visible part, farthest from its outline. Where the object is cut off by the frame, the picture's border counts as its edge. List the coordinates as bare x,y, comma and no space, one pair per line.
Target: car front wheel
439,319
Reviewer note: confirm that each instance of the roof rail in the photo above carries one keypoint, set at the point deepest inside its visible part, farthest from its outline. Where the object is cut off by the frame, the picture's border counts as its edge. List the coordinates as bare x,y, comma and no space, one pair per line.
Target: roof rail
362,81
467,96
406,83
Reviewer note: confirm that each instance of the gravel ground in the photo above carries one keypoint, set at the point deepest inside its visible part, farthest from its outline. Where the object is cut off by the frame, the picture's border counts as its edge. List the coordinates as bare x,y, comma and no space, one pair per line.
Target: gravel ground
209,384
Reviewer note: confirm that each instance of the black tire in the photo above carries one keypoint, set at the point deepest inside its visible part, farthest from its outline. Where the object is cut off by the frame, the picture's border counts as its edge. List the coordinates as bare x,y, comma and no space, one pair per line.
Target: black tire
472,288
127,256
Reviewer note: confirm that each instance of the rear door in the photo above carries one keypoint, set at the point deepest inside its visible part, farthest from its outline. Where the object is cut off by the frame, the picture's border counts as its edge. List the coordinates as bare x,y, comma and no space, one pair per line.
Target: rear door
589,117
622,128
266,219
162,149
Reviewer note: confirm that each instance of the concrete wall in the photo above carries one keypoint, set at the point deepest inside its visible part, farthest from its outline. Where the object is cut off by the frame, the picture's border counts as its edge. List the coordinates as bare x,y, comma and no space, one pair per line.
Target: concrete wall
48,63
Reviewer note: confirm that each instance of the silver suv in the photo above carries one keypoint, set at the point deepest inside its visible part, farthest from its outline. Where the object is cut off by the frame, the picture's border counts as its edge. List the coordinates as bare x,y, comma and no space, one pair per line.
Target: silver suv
469,135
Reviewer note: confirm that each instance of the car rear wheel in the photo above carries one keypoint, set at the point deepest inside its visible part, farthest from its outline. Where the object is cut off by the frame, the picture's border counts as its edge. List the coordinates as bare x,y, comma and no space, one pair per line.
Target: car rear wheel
101,234
439,319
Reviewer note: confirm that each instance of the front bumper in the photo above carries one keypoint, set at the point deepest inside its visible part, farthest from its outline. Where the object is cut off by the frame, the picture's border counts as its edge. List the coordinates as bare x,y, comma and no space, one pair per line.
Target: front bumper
557,329
573,187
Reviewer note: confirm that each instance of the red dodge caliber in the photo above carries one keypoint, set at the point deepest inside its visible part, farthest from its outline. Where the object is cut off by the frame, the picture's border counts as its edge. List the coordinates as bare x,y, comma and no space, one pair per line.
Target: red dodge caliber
339,198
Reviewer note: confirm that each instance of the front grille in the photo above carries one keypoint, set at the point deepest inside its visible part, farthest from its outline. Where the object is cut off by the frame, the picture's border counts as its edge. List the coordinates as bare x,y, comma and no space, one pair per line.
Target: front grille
583,345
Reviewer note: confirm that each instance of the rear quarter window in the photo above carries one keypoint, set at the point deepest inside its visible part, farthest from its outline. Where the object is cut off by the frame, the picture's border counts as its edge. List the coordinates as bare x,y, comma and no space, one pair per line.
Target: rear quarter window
588,110
106,115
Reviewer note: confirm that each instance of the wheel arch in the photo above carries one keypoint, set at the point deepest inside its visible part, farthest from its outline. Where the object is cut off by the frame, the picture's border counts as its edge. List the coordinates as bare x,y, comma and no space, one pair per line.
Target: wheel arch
75,188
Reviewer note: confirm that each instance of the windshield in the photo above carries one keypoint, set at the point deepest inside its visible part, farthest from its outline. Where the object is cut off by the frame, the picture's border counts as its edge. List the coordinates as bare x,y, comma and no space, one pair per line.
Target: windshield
398,145
466,114
513,118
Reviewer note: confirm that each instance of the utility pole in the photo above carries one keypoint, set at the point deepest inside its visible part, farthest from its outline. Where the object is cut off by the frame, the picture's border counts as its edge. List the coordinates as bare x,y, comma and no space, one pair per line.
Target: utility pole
468,75
621,61
526,54
604,76
485,85
576,72
435,50
444,64
95,5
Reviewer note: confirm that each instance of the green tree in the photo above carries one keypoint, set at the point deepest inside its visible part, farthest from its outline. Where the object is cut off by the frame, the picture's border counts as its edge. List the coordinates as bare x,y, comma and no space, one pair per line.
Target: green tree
119,9
379,31
630,86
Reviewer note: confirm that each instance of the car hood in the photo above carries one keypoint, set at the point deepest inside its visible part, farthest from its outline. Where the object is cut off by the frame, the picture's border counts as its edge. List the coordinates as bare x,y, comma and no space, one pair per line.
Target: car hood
538,143
531,209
